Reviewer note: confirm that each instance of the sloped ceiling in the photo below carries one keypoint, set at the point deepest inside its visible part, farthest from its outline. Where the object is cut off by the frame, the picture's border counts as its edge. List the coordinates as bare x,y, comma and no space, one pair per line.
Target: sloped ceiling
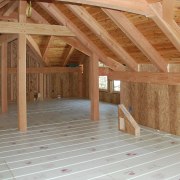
59,49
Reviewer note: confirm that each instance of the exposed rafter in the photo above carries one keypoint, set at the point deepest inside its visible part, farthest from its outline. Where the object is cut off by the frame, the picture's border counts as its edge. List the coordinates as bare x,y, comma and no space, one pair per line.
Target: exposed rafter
11,9
72,41
46,49
133,6
168,10
105,37
68,56
4,3
171,30
35,48
137,38
53,11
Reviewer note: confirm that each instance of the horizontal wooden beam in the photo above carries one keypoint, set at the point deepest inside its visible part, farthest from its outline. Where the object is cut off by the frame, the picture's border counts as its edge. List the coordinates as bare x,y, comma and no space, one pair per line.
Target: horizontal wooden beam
8,38
146,77
37,29
47,70
132,6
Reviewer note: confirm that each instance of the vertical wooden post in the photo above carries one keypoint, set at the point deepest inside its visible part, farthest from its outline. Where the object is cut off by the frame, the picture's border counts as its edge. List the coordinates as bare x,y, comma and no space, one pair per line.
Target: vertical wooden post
41,81
4,98
80,79
45,86
94,87
21,72
21,83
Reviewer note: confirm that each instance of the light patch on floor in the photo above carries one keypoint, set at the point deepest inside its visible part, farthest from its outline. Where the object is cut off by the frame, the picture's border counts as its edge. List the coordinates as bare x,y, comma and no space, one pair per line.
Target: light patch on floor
63,143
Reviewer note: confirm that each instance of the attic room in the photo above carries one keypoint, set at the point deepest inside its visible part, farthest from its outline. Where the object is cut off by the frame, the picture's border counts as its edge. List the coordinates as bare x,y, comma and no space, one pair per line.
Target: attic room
90,89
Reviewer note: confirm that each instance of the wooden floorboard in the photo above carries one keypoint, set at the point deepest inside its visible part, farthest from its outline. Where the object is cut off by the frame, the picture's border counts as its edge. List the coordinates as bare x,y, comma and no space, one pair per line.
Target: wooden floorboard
63,143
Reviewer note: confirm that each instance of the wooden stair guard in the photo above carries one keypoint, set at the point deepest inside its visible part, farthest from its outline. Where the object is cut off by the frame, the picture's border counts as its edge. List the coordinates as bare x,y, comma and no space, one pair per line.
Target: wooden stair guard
126,122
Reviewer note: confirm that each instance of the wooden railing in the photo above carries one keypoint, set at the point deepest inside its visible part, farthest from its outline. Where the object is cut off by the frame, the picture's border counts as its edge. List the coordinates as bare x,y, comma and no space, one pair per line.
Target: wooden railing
126,122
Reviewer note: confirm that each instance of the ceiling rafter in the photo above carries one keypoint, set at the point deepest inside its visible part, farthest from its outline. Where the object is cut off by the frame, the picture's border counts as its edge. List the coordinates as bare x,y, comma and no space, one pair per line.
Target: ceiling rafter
71,50
104,36
72,41
45,52
132,6
168,10
11,9
137,38
53,11
170,29
4,3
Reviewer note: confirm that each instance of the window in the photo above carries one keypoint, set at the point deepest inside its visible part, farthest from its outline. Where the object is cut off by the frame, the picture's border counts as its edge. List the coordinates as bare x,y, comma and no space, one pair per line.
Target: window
101,64
116,85
103,82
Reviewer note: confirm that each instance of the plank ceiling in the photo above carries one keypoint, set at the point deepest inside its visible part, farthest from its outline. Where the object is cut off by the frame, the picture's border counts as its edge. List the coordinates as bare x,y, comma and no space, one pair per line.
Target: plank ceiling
57,50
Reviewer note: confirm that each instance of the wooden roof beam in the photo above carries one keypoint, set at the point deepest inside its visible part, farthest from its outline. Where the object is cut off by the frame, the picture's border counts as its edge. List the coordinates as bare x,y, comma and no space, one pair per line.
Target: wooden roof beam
4,3
54,12
68,56
168,10
146,77
11,9
72,41
104,36
35,48
132,6
170,29
30,28
44,54
137,38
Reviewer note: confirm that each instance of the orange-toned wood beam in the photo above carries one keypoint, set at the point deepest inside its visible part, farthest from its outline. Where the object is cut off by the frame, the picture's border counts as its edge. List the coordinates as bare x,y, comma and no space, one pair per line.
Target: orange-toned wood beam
11,9
132,6
146,77
35,48
171,30
31,28
168,10
68,56
46,49
47,70
21,72
4,98
72,41
54,12
8,18
104,36
94,87
137,38
4,3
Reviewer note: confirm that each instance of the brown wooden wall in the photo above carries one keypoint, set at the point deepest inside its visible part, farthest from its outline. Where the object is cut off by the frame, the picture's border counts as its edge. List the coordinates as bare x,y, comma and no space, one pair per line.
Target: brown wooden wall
153,105
59,84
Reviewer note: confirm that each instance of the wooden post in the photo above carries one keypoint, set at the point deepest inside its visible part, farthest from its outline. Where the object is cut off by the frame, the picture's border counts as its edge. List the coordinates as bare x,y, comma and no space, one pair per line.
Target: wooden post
4,101
94,87
21,72
41,86
21,83
80,79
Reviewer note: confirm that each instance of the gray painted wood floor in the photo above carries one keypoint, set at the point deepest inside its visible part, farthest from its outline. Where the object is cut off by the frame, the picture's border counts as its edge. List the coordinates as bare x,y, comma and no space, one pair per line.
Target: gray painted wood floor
62,143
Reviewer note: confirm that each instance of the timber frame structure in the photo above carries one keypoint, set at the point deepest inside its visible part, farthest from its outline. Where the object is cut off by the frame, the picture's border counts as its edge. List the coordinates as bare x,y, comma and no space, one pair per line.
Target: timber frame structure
125,35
